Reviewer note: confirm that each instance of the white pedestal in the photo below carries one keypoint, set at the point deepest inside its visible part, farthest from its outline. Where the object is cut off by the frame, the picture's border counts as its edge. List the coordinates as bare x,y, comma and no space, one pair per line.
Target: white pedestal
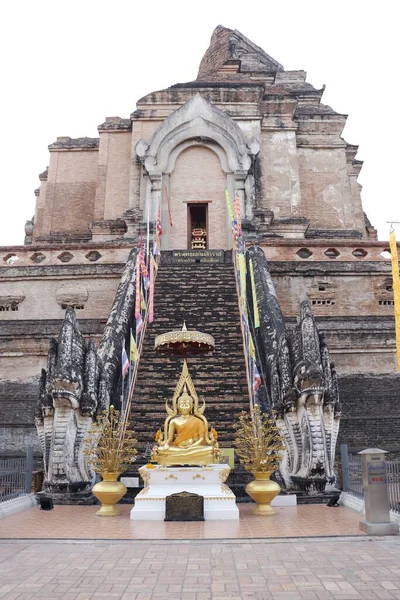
209,482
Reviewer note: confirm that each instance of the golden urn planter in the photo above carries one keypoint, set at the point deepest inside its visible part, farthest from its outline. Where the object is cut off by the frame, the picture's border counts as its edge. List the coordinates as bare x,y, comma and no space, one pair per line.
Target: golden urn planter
262,490
109,492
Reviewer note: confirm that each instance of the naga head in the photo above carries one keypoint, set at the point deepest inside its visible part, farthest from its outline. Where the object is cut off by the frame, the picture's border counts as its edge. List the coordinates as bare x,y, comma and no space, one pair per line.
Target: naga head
66,393
309,382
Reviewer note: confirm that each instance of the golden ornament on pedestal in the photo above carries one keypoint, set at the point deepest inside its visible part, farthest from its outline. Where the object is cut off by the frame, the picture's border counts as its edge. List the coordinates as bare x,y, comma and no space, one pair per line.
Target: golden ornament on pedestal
185,439
259,445
109,492
111,448
262,490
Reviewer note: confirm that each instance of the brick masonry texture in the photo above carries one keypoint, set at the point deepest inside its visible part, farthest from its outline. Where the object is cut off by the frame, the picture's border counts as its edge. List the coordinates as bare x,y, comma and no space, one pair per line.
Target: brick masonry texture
198,176
206,299
370,417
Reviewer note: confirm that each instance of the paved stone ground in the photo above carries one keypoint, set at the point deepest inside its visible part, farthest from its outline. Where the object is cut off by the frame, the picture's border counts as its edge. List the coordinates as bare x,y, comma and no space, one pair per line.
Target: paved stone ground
310,569
81,522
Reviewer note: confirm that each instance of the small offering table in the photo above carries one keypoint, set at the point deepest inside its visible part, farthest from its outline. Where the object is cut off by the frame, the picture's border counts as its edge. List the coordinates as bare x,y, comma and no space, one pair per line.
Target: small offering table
209,482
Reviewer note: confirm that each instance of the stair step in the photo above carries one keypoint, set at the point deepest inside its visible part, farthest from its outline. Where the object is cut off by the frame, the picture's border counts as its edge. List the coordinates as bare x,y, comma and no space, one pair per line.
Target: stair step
206,298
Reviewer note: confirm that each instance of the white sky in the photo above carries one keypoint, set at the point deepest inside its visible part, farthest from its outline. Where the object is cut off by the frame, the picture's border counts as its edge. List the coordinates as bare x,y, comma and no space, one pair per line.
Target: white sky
68,65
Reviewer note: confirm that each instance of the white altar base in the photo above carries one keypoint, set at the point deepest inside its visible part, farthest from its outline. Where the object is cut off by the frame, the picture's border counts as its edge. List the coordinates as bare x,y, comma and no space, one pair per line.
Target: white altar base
209,482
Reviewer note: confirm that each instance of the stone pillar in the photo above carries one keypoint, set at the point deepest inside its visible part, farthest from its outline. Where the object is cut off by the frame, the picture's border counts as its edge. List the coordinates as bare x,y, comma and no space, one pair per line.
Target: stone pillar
377,514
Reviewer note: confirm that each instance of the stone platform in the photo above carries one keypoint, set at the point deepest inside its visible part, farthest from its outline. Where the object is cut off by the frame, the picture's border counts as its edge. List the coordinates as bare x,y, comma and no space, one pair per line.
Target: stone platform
209,482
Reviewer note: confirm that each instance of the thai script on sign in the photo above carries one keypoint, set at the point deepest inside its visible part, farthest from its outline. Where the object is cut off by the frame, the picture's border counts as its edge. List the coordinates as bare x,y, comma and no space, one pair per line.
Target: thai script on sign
195,256
377,473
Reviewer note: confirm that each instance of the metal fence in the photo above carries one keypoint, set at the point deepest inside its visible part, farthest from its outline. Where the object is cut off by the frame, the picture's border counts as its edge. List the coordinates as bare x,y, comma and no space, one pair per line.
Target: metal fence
16,476
352,478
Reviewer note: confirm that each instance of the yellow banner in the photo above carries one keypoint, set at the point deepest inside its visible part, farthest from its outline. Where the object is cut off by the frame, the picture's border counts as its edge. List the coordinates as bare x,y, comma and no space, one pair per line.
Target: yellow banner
254,294
134,354
252,350
242,271
396,291
229,204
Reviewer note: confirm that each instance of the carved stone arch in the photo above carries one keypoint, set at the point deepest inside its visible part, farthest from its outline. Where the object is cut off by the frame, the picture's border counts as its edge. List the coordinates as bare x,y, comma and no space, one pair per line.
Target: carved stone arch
198,118
210,145
199,123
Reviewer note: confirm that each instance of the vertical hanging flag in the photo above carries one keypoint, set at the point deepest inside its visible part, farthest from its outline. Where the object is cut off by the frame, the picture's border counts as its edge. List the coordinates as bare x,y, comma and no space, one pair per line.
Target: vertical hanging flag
139,326
151,299
138,288
229,204
254,295
142,301
168,206
157,244
242,273
256,378
133,351
396,291
143,267
252,350
236,210
124,362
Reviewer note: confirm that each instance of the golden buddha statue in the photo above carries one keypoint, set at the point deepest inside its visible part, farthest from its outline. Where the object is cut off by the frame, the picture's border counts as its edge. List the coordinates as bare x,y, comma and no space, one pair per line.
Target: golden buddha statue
185,440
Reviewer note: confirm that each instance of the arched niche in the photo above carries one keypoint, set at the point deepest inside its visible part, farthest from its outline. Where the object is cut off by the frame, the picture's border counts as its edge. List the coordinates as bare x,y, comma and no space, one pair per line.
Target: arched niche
197,124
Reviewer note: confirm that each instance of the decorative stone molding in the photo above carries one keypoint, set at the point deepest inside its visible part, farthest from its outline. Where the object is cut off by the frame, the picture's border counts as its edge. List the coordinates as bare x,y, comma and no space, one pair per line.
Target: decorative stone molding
322,294
74,295
67,143
11,303
384,292
115,124
198,118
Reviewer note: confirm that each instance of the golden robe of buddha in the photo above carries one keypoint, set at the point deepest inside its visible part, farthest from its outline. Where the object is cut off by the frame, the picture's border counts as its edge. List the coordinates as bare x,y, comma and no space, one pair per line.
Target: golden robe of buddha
185,440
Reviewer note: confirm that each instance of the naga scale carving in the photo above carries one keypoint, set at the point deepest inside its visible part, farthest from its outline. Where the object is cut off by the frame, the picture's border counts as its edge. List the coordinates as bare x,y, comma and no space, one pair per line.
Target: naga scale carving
76,386
299,382
72,391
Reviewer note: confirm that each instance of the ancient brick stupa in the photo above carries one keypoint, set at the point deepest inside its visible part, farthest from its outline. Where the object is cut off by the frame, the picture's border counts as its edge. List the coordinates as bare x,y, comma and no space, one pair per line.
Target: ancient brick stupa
247,126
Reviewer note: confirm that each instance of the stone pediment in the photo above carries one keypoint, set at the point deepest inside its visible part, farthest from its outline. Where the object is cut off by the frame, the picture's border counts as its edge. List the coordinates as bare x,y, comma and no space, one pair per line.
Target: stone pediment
197,120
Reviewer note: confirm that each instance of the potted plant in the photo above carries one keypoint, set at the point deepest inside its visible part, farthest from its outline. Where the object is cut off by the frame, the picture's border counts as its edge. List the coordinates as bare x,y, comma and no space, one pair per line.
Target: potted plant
260,445
111,448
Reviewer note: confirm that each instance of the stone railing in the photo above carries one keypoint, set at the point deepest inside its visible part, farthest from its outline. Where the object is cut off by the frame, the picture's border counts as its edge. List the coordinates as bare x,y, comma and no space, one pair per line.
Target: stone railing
24,256
326,250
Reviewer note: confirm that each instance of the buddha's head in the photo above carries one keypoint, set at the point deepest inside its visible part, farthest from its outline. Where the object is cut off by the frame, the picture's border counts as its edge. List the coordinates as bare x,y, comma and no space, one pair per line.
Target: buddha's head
185,403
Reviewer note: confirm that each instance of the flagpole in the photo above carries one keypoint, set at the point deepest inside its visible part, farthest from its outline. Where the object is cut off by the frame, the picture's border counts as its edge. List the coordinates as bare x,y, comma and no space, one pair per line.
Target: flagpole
122,385
148,234
130,362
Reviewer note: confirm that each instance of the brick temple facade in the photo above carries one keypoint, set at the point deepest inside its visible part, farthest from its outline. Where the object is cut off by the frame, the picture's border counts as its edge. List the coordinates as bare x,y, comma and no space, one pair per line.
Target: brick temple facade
243,124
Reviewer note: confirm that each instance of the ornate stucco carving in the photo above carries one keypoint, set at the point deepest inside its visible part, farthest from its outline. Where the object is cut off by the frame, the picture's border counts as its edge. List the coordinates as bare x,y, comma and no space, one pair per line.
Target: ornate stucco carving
200,123
198,118
299,382
72,391
77,385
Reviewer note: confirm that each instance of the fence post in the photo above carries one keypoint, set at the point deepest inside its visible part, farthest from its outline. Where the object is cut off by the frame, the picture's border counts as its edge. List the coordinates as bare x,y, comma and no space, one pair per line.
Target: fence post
28,469
345,467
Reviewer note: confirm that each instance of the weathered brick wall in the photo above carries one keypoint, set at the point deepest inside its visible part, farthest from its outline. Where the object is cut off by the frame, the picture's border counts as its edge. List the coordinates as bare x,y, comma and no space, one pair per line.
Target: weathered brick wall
17,404
114,162
280,173
326,197
70,192
198,176
371,412
99,292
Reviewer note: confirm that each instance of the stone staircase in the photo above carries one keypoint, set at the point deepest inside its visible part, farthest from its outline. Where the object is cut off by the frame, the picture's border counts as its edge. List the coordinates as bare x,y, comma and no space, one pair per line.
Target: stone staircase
205,297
